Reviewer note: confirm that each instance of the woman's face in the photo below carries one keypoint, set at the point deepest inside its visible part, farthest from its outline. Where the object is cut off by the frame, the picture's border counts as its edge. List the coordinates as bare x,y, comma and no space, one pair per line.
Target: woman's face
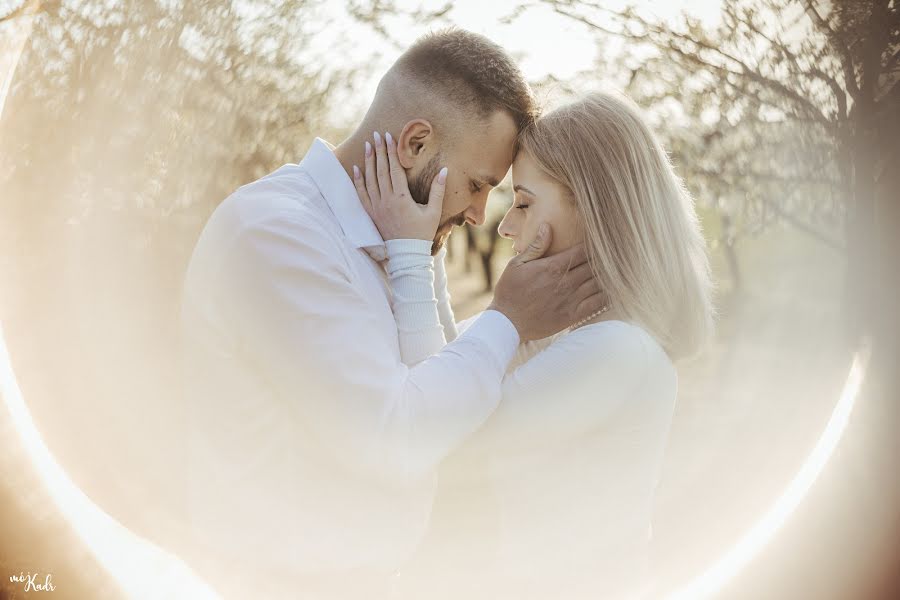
539,199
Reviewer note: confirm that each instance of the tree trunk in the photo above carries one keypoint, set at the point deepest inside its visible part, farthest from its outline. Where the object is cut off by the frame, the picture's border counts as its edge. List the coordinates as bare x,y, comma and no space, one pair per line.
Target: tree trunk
727,241
471,248
861,276
487,256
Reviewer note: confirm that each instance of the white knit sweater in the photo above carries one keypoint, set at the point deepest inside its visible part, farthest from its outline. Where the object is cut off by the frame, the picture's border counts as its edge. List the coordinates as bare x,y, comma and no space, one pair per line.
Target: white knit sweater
574,448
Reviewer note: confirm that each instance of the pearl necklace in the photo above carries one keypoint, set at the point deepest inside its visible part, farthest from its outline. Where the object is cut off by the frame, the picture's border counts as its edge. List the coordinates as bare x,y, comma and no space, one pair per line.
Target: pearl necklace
589,317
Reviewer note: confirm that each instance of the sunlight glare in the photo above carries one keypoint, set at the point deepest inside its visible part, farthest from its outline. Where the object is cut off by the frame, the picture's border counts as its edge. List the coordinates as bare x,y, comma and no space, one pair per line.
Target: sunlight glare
727,566
141,569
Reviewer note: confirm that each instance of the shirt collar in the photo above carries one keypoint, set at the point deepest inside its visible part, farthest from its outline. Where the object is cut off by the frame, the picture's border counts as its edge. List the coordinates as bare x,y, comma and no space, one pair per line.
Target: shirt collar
337,188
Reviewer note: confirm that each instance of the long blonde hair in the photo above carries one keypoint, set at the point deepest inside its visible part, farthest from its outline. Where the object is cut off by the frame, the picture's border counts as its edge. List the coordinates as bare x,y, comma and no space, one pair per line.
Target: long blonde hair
642,235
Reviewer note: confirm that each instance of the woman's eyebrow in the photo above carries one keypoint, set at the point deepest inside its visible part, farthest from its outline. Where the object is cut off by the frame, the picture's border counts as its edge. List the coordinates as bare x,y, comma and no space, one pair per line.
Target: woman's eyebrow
522,188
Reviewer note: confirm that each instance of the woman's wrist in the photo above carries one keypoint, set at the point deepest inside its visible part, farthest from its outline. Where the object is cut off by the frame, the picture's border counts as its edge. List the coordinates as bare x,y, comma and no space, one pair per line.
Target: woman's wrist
407,253
410,272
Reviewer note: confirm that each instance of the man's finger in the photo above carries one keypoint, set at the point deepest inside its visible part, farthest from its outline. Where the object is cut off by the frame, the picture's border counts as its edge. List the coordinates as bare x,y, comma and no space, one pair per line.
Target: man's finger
570,280
570,258
576,276
585,290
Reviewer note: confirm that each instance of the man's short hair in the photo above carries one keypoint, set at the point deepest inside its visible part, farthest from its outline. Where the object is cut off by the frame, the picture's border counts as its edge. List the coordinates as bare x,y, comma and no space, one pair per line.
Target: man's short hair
471,72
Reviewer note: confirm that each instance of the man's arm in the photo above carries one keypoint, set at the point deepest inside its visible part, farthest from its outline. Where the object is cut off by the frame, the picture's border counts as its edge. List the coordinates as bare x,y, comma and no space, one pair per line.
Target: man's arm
321,345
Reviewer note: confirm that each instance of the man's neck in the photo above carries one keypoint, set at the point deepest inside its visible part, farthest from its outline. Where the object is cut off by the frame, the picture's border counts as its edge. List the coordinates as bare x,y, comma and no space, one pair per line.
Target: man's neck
352,152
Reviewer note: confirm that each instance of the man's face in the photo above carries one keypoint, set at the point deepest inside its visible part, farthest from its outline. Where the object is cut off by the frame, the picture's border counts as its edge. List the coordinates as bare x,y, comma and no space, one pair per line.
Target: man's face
477,162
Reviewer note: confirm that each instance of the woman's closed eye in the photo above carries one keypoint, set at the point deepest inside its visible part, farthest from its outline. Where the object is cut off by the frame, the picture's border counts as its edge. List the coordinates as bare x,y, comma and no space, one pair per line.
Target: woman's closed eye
522,205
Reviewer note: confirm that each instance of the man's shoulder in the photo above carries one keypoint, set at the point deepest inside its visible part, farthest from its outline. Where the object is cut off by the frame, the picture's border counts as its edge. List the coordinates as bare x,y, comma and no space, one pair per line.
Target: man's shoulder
287,189
284,205
287,196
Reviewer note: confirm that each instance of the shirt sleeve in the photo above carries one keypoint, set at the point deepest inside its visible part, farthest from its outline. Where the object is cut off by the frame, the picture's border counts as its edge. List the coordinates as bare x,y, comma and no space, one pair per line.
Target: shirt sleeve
568,388
525,350
411,277
318,340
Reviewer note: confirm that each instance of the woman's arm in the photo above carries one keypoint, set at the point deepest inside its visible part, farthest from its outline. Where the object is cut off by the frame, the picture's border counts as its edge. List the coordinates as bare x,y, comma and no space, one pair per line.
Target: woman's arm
452,329
416,310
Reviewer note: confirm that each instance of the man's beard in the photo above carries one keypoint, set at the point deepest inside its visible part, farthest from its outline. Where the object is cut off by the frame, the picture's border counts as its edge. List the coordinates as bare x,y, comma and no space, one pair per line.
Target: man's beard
419,188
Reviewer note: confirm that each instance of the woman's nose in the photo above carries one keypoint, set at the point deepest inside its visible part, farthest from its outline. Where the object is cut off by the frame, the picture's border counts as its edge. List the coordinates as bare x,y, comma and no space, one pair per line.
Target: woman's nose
505,229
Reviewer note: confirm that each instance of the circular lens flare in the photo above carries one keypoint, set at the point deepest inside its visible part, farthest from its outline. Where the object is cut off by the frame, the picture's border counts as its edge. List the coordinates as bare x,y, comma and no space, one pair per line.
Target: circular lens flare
730,563
140,568
143,570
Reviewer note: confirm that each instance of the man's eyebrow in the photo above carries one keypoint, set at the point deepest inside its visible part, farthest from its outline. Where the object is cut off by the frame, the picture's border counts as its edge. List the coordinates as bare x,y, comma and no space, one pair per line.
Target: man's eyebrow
522,188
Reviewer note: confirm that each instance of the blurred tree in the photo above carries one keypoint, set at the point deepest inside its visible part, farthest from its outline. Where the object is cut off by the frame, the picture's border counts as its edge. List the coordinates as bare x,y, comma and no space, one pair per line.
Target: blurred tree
126,123
178,102
785,110
383,15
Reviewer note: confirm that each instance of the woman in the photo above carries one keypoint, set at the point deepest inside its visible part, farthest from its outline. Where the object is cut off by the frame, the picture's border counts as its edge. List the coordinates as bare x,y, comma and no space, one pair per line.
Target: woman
575,447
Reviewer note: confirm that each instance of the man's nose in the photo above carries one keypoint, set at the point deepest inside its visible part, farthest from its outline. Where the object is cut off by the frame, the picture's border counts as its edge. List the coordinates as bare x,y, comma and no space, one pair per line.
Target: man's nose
475,212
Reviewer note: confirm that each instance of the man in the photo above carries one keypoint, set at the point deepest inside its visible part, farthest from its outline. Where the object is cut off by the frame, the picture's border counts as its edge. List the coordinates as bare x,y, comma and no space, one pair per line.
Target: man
313,447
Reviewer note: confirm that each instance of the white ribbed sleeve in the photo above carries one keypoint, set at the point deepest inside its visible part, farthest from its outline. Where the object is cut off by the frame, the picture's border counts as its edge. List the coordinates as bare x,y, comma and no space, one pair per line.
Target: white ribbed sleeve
410,269
421,303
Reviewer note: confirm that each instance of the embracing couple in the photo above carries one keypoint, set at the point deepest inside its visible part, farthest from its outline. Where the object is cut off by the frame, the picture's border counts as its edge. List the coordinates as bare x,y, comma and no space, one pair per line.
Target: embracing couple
328,379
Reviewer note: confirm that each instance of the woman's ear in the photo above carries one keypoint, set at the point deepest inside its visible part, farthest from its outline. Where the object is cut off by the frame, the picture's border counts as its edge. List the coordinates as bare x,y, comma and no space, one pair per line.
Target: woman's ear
415,142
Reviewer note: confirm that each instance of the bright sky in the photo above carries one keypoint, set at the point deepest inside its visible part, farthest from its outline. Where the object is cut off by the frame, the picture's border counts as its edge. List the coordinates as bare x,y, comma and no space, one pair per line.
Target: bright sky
550,43
543,42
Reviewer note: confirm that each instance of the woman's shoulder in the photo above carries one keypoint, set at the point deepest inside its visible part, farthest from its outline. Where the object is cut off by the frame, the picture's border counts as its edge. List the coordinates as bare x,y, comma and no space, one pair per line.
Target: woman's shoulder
618,342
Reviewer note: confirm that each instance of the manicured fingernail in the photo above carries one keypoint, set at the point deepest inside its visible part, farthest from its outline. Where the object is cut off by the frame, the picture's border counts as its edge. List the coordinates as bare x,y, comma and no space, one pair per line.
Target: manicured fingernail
442,176
377,139
388,138
355,172
368,149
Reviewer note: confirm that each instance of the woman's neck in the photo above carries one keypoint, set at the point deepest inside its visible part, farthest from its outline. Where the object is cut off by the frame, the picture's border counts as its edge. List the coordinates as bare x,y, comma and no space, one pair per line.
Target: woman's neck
612,314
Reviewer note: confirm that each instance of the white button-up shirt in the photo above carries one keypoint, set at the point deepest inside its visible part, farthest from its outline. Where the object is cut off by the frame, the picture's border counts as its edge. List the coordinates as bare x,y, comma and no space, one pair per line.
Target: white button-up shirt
313,447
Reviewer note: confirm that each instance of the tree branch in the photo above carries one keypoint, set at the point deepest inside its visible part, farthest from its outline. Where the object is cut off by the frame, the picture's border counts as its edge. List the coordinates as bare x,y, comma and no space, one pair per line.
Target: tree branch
843,51
892,62
805,227
748,72
788,217
669,40
768,176
27,8
840,96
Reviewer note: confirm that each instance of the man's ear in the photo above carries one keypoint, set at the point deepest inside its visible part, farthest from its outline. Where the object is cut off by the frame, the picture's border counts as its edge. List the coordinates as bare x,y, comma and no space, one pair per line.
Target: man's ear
415,142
